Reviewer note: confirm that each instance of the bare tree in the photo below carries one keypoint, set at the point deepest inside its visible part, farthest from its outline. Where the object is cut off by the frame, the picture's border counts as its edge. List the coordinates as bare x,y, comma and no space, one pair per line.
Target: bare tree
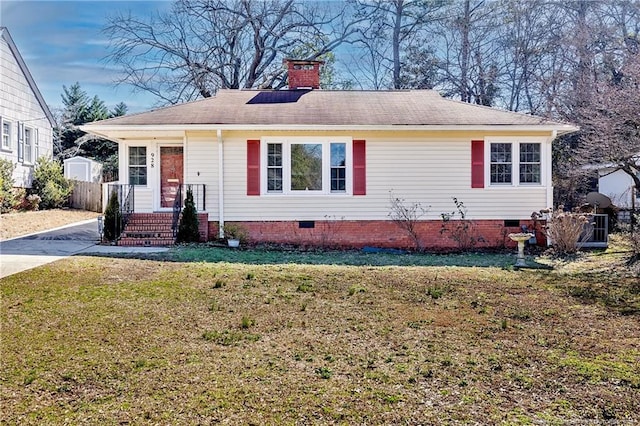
611,129
529,42
468,52
203,45
392,31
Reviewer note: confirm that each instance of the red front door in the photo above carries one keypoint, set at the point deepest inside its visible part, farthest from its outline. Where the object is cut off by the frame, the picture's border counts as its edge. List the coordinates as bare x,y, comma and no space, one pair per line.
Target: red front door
171,174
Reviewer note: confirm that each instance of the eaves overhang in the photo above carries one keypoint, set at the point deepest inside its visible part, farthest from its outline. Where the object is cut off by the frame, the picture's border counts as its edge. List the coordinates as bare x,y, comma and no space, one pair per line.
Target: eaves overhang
109,131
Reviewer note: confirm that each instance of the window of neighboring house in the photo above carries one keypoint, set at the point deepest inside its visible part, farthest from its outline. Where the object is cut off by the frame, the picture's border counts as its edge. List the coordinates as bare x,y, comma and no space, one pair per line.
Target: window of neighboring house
6,134
515,163
300,166
28,145
20,138
137,165
36,144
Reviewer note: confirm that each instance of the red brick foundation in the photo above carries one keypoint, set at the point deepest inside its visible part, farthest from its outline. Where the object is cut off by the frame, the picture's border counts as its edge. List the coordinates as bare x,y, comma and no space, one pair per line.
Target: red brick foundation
380,233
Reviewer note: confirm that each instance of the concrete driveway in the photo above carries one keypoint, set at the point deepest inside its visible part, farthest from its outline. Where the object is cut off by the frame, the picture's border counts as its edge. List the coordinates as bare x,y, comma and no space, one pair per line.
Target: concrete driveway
23,253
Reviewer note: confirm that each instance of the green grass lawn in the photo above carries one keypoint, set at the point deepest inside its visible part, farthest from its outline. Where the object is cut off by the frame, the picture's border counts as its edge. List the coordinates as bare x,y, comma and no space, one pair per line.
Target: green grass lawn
290,338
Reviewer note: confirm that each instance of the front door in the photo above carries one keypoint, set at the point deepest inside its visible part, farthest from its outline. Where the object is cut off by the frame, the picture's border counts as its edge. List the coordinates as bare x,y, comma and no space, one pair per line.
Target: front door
171,174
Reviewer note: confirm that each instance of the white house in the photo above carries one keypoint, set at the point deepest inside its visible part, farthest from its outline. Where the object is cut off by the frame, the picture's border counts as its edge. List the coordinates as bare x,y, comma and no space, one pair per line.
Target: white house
305,165
26,122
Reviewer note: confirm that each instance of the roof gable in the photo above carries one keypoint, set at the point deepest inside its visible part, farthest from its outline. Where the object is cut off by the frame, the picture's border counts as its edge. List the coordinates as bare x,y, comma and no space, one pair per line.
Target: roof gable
4,33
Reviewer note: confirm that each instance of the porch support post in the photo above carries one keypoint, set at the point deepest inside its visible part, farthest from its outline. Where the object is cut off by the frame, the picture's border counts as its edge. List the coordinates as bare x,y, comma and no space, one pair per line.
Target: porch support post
220,186
549,176
548,171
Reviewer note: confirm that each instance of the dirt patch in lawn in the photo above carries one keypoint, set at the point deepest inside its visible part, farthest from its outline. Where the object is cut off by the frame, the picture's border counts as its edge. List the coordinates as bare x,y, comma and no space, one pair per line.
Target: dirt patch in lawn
17,224
124,341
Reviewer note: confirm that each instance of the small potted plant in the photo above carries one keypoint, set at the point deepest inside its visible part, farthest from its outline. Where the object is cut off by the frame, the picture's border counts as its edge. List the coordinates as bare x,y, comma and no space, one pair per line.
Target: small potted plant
235,234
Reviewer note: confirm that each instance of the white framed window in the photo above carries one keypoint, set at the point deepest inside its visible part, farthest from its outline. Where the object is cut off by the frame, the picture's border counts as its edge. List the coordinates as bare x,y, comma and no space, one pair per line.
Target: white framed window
305,166
6,134
501,168
530,170
515,163
138,165
28,144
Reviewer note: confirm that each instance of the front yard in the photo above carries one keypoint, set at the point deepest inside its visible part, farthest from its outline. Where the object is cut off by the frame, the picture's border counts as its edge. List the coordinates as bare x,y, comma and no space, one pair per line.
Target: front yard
176,341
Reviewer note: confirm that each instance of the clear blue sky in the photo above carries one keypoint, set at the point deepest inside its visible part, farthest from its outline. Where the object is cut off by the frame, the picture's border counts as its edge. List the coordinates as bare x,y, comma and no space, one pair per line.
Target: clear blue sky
62,43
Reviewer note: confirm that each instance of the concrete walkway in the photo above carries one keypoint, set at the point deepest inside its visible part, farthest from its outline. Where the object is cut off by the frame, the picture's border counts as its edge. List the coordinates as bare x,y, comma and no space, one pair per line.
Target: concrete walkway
30,251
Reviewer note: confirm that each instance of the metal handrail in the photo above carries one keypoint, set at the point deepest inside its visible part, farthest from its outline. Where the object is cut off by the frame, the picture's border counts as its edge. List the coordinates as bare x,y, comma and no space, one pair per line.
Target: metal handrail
177,209
127,205
199,194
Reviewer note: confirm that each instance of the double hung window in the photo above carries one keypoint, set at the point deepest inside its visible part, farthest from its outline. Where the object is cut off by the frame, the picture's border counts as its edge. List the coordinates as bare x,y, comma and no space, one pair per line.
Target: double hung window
314,166
501,163
530,163
137,165
6,134
28,144
515,163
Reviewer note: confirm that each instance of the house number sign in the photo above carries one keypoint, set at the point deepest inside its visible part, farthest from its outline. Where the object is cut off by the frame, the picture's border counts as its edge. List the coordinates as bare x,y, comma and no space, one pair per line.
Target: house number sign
152,160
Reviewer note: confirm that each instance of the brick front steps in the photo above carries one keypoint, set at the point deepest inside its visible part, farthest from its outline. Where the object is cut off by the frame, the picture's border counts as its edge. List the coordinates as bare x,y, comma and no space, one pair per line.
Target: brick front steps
148,230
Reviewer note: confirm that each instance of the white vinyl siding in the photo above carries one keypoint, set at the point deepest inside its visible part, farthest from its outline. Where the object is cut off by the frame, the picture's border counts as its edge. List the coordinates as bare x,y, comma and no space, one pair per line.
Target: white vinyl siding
419,169
201,167
143,199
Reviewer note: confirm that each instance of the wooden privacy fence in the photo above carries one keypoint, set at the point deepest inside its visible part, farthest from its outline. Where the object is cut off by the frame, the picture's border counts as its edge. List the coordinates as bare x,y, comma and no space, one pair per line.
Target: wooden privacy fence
86,196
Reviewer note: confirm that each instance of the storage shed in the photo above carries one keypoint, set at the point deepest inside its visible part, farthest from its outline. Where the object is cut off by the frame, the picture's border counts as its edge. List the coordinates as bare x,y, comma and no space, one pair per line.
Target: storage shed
83,169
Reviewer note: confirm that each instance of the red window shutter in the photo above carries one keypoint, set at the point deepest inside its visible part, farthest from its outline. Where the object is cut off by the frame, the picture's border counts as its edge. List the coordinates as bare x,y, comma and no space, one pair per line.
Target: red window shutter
253,167
477,164
359,168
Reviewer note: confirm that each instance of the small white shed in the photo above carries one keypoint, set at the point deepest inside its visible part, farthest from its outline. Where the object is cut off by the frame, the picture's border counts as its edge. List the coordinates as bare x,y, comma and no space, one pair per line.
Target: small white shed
83,169
618,186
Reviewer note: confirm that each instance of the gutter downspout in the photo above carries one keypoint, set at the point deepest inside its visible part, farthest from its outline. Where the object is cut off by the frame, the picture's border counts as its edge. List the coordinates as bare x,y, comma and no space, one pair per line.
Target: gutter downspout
220,186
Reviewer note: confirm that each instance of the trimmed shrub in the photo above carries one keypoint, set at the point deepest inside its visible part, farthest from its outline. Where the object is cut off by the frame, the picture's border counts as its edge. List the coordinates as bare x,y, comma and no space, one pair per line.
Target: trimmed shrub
112,218
188,228
50,184
7,196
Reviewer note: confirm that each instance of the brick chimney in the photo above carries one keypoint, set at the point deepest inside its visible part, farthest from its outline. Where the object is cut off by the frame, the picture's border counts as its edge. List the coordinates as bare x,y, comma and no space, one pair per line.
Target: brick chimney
303,74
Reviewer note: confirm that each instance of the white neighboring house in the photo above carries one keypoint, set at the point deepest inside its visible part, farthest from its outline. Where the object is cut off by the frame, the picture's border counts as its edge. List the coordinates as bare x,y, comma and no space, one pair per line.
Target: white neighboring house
83,169
26,123
618,185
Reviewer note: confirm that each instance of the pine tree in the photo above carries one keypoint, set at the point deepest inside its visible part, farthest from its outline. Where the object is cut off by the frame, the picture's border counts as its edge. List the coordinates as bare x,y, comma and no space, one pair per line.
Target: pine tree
188,228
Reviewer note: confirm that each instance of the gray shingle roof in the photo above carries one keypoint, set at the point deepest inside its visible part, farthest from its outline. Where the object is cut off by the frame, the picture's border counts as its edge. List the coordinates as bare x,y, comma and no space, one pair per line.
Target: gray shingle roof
328,108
